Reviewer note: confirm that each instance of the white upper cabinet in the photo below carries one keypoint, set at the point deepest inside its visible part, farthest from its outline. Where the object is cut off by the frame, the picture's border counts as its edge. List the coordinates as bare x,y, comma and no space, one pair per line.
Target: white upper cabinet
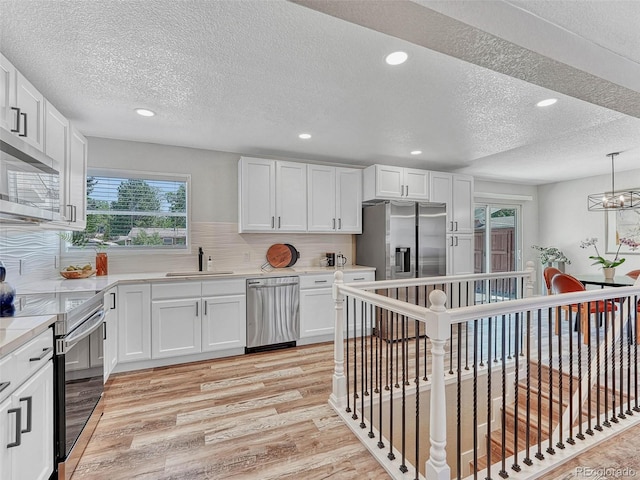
76,180
272,196
383,182
456,191
334,199
8,116
31,104
21,106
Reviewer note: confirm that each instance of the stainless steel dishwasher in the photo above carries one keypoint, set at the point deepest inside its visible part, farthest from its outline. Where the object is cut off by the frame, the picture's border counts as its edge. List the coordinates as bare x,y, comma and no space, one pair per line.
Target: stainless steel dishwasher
273,313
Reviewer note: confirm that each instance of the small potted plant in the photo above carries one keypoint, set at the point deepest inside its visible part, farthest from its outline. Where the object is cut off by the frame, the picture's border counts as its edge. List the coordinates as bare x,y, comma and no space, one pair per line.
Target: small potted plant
550,255
608,266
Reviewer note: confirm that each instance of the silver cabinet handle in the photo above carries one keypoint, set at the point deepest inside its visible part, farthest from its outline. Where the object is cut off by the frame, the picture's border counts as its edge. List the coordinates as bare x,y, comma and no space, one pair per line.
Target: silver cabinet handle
359,278
197,308
75,214
456,226
273,222
451,226
113,300
45,352
278,222
456,240
334,224
17,129
407,190
205,307
402,190
29,401
320,281
339,224
451,244
18,413
25,125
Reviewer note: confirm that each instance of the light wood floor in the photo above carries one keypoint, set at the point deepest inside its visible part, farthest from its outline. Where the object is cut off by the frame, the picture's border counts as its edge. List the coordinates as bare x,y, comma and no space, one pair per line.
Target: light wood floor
260,416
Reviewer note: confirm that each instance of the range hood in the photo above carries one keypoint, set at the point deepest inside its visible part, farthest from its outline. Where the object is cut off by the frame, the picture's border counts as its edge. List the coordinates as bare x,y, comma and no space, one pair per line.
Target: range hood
29,182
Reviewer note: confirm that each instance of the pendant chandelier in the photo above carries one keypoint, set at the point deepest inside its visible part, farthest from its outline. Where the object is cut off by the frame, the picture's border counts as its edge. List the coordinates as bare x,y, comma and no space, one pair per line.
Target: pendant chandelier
613,200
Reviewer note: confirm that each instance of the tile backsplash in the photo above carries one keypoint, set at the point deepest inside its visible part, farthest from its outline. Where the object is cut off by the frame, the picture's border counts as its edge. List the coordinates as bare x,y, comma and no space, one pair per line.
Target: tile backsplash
32,255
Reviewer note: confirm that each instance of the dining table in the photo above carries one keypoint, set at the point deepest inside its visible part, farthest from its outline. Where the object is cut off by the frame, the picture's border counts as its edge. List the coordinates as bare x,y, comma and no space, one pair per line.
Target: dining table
599,280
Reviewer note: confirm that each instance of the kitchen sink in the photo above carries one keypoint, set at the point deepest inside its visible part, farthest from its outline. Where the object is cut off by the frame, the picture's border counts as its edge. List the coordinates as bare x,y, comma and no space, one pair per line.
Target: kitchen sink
192,274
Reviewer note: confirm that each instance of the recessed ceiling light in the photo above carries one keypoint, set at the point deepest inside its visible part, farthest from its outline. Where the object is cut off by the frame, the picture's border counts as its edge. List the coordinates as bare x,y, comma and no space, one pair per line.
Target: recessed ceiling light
304,136
144,112
396,58
416,152
547,102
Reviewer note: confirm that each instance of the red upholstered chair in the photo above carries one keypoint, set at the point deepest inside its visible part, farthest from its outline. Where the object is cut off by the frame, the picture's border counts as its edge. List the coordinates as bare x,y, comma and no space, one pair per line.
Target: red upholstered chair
565,283
548,274
633,274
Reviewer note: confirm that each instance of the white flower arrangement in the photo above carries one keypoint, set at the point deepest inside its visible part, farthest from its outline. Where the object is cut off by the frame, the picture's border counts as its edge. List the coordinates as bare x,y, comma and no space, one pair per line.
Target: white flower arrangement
551,254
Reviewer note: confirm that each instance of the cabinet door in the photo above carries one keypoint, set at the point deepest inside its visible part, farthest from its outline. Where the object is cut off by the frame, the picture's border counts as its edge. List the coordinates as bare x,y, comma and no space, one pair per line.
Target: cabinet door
441,185
31,104
56,141
134,323
321,208
317,312
7,436
462,203
257,207
224,322
111,325
416,184
460,254
291,197
33,459
175,327
8,117
389,181
349,200
76,177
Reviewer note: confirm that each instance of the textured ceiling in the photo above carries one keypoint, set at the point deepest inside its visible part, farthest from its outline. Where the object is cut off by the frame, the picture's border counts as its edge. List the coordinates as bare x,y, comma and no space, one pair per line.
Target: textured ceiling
249,76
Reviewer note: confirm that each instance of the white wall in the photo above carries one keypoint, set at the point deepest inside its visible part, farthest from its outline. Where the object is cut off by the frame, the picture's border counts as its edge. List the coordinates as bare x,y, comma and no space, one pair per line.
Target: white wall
565,220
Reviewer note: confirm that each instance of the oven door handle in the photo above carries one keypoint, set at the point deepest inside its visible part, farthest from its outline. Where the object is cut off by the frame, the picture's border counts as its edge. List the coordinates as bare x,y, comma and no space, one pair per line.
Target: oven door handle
87,328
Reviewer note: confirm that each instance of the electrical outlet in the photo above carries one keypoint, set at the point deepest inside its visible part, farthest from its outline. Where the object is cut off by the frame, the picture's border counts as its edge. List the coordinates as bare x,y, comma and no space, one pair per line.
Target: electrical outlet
246,257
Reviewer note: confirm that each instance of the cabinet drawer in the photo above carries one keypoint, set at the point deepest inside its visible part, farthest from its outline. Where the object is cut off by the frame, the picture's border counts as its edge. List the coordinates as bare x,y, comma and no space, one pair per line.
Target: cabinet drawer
161,291
316,281
212,288
350,277
30,357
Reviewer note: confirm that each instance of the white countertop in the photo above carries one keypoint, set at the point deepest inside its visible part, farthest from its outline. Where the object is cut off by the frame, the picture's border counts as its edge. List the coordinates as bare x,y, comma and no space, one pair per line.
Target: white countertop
15,332
102,283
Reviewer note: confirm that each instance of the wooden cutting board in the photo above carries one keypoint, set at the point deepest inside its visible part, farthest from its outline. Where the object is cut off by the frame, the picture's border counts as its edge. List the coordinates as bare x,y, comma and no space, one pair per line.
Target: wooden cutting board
279,255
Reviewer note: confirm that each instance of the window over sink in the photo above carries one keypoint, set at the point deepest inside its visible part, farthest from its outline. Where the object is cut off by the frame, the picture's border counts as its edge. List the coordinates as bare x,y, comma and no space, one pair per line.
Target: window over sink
134,211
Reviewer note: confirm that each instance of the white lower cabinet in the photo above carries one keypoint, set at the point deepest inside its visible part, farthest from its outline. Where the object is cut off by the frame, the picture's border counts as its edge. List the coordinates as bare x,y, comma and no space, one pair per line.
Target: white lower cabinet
224,322
317,307
111,331
134,322
460,254
26,413
175,327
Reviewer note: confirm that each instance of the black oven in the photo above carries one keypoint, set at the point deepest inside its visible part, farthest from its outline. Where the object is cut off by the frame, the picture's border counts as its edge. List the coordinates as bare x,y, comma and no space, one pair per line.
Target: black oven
78,368
79,383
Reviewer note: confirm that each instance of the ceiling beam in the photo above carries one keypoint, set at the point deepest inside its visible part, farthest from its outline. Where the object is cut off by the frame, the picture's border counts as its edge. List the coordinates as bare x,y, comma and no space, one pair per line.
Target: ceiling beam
425,27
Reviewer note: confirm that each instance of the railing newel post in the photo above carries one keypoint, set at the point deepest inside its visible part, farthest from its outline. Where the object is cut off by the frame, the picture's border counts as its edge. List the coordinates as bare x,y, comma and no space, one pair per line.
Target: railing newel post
339,393
437,325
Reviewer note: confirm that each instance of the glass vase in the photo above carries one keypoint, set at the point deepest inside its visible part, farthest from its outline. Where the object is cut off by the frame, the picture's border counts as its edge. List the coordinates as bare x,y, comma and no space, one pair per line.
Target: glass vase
102,264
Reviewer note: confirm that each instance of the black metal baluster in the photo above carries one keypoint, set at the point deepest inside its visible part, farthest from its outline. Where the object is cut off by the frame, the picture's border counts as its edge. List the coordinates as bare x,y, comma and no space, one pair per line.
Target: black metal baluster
503,359
516,391
489,401
570,439
580,435
405,334
458,405
559,444
527,460
417,382
550,449
598,427
373,379
381,390
346,303
636,408
354,415
539,455
606,372
475,399
621,358
629,344
589,430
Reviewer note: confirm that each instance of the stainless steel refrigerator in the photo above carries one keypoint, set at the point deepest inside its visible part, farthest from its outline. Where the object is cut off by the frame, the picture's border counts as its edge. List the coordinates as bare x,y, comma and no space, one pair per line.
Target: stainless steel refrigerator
403,239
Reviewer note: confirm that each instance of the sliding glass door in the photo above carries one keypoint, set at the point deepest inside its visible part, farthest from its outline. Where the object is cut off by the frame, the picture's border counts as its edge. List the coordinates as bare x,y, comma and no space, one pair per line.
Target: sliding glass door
497,236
